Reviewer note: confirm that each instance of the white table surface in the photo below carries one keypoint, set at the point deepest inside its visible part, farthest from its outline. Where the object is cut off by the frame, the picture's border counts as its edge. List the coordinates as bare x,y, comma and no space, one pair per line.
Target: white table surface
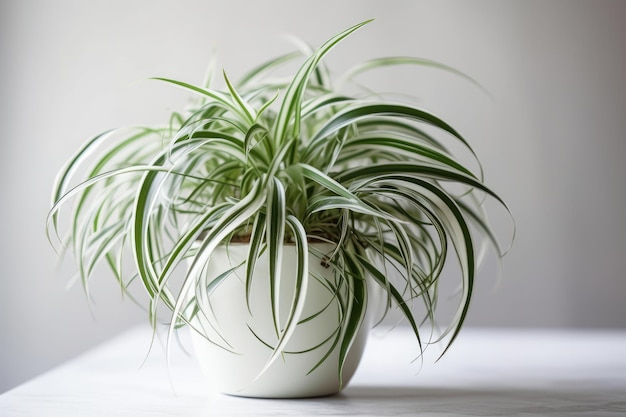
486,373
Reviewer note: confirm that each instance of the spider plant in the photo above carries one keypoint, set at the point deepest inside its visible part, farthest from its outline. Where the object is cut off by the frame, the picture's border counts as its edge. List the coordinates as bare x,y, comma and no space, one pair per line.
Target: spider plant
276,161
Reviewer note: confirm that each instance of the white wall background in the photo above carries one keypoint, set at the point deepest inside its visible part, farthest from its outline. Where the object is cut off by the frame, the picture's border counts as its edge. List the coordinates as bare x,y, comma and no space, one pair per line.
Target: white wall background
552,142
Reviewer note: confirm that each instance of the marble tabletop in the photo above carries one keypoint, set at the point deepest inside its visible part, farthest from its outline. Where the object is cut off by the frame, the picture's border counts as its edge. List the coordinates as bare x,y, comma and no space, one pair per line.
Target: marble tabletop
487,372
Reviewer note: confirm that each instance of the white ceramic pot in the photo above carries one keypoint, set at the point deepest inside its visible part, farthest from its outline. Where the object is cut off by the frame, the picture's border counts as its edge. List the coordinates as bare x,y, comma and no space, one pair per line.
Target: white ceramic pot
233,367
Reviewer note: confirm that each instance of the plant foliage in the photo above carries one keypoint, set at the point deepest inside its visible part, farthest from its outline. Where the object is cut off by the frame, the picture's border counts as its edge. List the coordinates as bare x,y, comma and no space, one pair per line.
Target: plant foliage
278,161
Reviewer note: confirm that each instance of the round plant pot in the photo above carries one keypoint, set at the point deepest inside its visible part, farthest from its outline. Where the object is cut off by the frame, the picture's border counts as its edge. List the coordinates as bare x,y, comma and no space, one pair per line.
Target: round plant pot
235,340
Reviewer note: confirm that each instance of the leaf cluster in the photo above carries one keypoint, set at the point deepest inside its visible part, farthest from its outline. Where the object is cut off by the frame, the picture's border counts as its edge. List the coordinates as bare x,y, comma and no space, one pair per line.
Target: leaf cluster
283,161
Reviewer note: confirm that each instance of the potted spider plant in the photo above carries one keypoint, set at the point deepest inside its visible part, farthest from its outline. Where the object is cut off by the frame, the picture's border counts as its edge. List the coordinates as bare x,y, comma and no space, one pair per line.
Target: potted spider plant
278,218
